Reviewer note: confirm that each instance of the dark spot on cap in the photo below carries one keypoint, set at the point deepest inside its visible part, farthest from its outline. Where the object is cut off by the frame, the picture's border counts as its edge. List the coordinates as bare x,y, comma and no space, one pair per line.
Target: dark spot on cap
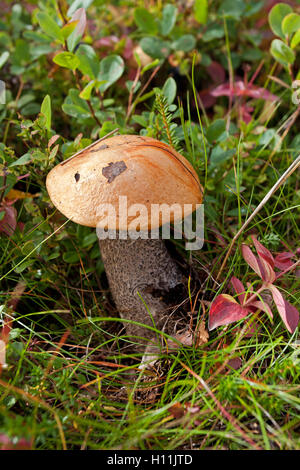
77,177
102,147
113,170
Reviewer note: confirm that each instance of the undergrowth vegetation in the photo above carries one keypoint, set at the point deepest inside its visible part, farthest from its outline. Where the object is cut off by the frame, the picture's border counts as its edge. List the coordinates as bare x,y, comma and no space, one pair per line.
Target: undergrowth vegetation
219,82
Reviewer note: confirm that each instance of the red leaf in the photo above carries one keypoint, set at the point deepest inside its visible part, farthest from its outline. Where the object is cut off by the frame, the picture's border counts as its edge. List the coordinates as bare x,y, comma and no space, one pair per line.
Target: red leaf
292,315
239,289
267,271
263,252
288,313
106,41
283,260
7,444
53,140
224,310
240,89
128,49
80,16
206,98
223,90
251,260
9,222
246,111
258,304
235,363
216,72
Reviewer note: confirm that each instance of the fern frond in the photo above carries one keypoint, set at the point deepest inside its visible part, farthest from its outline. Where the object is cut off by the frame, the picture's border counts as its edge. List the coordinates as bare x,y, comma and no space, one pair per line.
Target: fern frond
162,107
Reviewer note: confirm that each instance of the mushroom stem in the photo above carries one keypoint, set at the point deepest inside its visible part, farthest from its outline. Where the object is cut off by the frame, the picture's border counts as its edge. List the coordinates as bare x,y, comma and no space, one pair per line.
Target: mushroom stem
141,272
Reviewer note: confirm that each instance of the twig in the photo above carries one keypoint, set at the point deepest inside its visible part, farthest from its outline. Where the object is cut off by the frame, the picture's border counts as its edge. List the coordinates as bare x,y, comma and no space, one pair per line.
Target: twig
291,120
137,76
89,146
142,91
88,101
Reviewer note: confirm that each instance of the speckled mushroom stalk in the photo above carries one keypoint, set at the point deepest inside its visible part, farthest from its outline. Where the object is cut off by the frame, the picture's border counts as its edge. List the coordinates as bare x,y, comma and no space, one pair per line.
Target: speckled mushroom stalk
147,172
141,274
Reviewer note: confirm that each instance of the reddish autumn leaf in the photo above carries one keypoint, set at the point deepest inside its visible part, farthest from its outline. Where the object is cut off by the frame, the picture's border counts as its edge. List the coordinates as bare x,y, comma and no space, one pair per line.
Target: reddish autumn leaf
225,310
2,354
243,89
288,313
239,289
106,41
23,176
80,16
283,260
206,98
176,410
235,363
7,444
260,265
263,252
128,49
216,72
251,259
9,222
52,140
267,272
260,305
245,112
239,88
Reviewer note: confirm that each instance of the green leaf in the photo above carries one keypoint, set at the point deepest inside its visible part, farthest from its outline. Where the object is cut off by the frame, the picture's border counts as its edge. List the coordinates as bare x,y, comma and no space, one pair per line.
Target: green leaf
141,120
89,239
26,158
85,94
186,43
155,47
129,85
232,8
107,127
295,40
216,130
145,20
89,62
282,53
75,106
219,156
49,26
75,4
291,23
67,59
71,257
213,32
80,18
69,28
200,11
111,69
46,110
3,58
23,266
169,90
168,21
276,17
150,66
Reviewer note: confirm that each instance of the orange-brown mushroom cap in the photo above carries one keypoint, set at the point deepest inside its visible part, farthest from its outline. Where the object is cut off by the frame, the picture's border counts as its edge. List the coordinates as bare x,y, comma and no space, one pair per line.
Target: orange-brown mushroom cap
143,169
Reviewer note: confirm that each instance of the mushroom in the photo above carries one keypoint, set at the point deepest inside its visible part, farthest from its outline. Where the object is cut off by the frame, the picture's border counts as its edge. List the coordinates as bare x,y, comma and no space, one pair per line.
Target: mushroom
143,171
